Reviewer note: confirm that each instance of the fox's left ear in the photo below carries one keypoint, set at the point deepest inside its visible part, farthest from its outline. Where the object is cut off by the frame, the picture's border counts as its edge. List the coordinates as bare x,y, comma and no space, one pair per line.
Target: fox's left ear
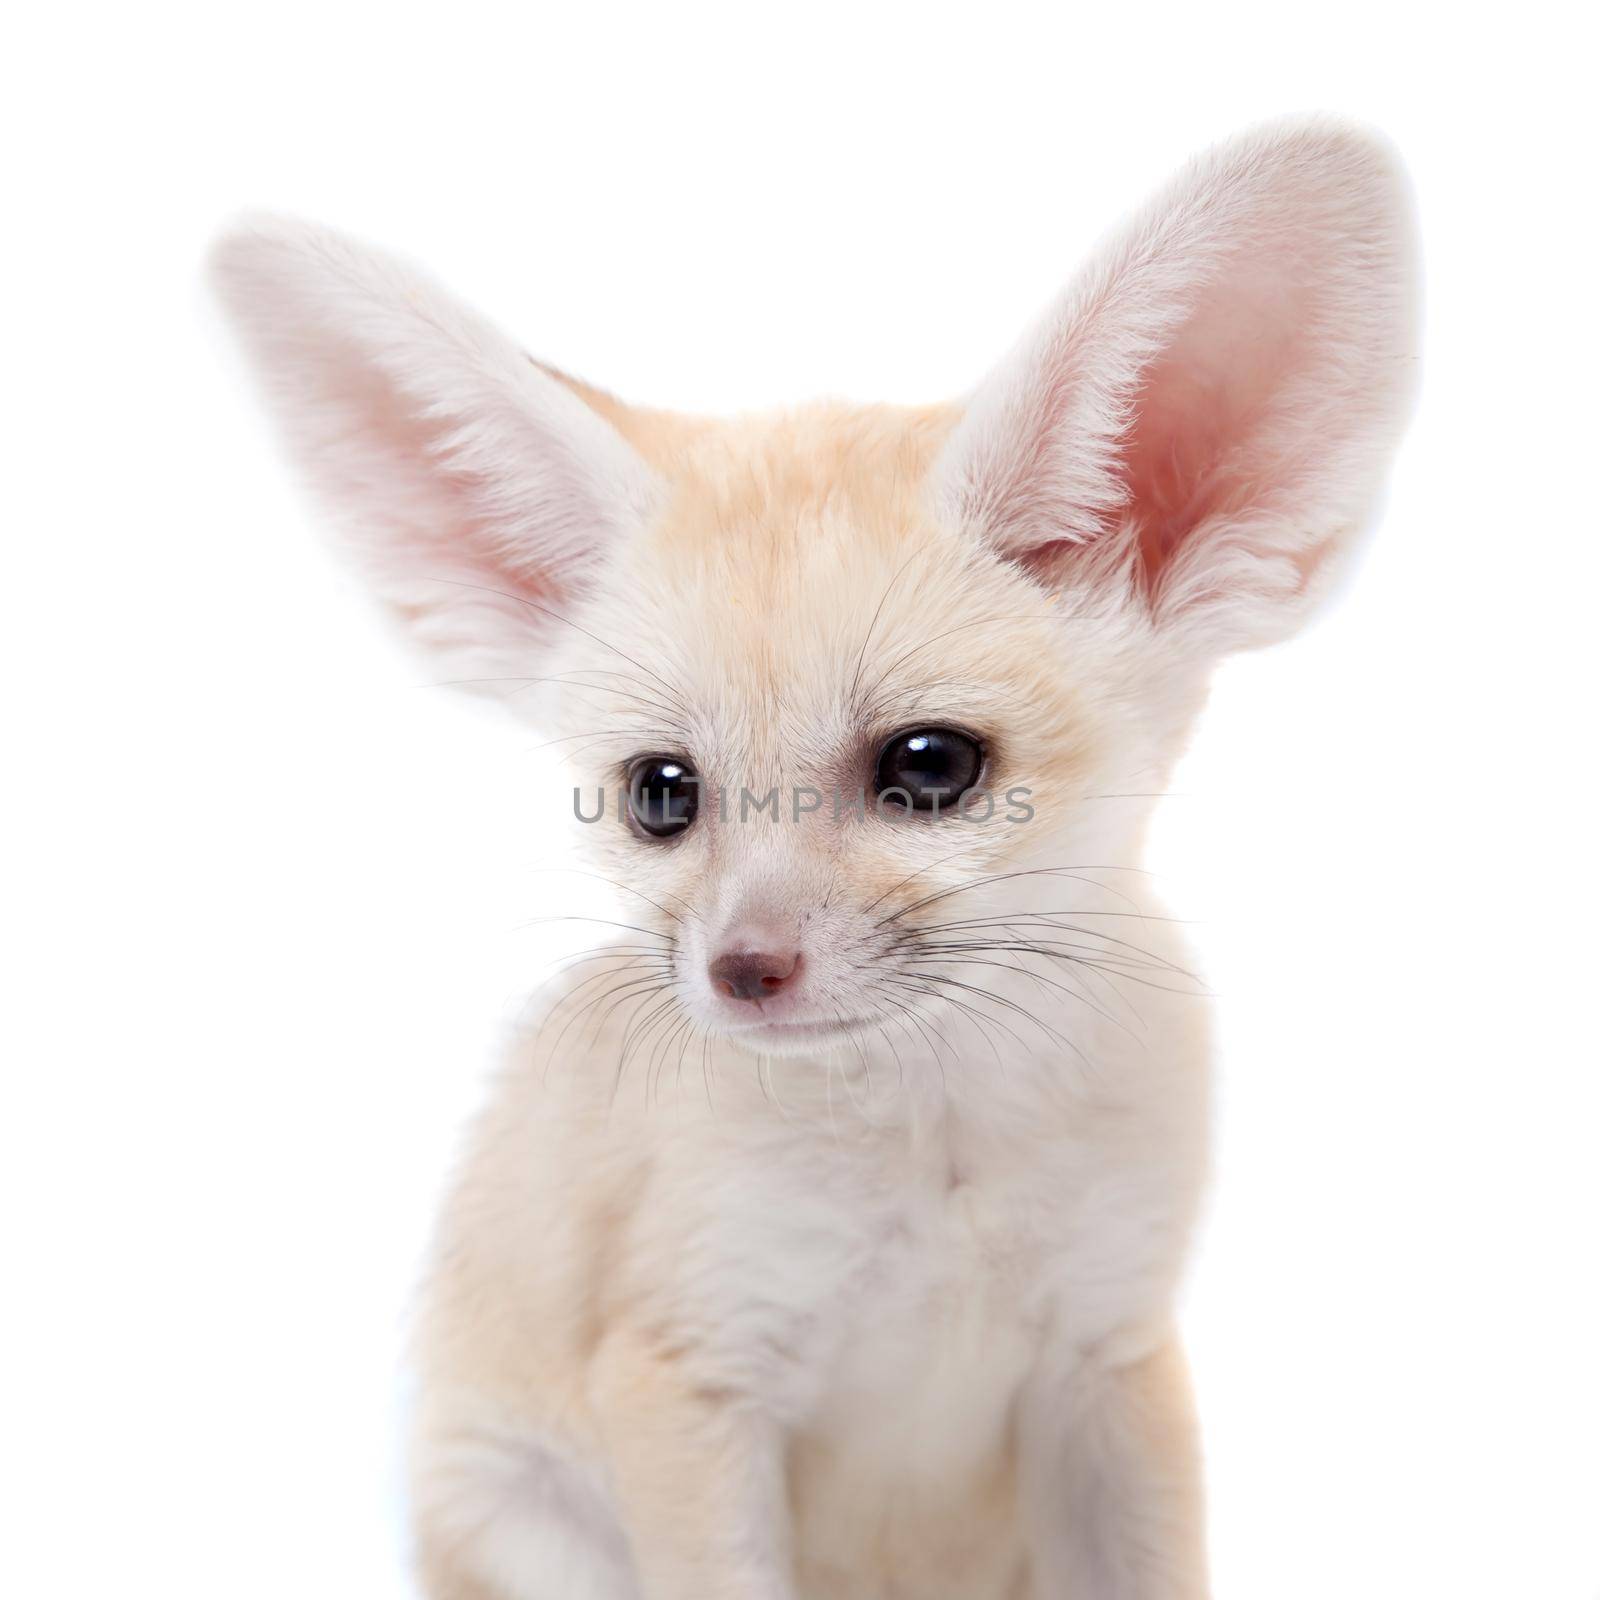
477,491
1208,412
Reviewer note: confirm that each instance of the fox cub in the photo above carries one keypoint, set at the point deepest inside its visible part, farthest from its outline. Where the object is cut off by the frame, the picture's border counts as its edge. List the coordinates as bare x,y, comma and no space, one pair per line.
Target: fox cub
820,1241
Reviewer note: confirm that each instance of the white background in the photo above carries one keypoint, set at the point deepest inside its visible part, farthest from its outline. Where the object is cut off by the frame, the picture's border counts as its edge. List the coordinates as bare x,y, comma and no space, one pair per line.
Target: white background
273,893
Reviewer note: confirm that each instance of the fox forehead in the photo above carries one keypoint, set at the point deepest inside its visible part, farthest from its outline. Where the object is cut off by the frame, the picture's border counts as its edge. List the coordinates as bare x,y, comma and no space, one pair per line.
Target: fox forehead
794,585
775,483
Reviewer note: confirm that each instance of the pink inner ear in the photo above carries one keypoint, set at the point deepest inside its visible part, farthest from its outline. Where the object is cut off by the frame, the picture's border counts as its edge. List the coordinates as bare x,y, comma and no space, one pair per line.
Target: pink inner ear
1202,442
423,513
391,460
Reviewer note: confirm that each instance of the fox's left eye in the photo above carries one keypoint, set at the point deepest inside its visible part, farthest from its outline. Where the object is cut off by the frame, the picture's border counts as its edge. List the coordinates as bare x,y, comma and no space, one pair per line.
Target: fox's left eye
663,795
928,769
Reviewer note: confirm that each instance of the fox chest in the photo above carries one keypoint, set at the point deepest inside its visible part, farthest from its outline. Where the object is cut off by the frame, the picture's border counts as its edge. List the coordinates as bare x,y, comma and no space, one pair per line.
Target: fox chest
904,1475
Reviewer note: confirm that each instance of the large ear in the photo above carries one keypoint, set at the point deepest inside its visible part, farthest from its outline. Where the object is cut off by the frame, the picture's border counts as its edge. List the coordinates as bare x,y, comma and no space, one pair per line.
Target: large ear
1211,406
479,492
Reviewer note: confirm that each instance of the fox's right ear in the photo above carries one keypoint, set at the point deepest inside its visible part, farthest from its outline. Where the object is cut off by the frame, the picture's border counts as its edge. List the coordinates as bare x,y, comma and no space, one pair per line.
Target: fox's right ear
478,492
1207,414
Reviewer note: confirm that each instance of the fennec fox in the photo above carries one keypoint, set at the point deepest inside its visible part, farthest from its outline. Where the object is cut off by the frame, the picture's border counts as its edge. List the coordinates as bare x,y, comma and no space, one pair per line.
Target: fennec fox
821,1239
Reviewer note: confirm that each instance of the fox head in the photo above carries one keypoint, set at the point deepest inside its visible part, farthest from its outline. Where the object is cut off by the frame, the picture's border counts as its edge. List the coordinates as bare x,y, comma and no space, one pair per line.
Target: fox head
875,698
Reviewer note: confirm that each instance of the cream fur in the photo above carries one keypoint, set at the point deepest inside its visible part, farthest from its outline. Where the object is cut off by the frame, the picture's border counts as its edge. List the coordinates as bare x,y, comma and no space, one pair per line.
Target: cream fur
887,1314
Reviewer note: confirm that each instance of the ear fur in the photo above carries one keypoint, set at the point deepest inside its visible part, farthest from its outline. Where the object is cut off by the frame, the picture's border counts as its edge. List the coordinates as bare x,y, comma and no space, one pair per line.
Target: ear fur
1206,414
478,491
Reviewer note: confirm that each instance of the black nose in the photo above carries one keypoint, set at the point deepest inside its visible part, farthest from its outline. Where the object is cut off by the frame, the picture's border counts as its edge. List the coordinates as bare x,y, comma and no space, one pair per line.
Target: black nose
752,974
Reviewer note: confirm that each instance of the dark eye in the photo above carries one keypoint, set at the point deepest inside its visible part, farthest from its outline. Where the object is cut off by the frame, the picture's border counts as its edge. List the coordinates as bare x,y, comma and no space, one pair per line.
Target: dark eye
663,795
933,766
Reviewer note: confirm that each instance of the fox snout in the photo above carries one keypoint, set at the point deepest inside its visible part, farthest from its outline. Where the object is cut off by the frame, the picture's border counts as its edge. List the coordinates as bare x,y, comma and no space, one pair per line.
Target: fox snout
752,975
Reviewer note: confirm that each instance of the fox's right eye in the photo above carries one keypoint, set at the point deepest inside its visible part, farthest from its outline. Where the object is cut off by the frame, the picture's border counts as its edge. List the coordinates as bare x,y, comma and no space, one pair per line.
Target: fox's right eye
926,768
663,795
